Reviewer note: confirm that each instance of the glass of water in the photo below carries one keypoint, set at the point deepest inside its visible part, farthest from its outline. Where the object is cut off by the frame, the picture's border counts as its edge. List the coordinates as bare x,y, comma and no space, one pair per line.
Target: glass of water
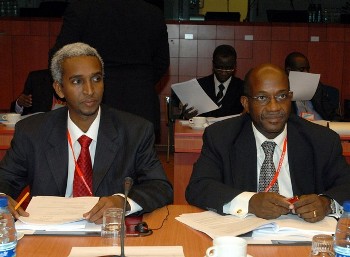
111,226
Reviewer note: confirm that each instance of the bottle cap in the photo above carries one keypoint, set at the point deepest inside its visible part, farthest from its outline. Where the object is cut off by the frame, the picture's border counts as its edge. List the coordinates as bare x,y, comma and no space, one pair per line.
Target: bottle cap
4,201
346,206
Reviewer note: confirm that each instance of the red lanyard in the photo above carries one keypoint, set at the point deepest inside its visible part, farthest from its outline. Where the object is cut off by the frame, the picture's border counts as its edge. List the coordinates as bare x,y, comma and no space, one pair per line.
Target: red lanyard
77,168
274,179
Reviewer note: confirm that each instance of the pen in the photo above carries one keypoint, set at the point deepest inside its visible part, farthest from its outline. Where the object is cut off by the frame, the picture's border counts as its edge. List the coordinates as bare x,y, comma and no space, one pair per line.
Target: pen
21,201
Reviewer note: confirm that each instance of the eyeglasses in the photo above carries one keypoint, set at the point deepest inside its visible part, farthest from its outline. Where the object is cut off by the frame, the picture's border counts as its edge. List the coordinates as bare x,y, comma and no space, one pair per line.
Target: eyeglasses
264,99
301,69
224,70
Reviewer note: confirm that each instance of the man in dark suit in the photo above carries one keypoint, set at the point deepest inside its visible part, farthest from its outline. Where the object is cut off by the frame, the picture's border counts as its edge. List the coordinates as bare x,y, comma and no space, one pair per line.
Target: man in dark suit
324,105
45,150
132,38
231,175
222,86
38,94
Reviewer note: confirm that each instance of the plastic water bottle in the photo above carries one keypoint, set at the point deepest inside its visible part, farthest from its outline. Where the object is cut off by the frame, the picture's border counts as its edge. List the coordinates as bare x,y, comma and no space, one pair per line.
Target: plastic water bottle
8,235
342,233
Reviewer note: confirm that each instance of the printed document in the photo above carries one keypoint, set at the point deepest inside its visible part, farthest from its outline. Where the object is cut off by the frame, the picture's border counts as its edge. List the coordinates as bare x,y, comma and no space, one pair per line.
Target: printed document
303,85
290,226
191,93
54,212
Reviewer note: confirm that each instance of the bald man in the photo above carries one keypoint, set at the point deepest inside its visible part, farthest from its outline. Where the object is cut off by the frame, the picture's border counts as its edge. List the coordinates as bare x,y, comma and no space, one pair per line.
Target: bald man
233,175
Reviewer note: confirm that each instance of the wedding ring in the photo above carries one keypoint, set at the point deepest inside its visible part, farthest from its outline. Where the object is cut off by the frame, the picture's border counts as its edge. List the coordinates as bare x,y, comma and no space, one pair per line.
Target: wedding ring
315,214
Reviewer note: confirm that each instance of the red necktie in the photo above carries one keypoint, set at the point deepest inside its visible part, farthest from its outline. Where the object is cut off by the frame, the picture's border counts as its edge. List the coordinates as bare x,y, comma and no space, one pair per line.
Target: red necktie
84,163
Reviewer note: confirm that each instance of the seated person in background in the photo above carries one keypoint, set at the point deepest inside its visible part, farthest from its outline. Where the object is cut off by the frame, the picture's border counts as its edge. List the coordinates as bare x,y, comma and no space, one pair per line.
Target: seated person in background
324,105
38,94
233,175
45,150
221,86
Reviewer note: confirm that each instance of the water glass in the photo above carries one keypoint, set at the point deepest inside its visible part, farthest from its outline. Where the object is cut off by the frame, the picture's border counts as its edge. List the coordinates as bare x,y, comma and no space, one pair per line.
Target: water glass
111,226
322,246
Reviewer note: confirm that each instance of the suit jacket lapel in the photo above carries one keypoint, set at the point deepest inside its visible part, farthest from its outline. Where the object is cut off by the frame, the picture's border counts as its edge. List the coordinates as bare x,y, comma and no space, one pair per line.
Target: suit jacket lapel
209,87
106,149
300,159
244,160
57,152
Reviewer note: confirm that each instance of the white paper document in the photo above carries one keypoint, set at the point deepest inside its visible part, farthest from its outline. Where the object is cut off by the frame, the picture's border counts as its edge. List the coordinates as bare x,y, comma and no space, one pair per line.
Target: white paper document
303,85
215,225
57,213
130,251
342,128
192,93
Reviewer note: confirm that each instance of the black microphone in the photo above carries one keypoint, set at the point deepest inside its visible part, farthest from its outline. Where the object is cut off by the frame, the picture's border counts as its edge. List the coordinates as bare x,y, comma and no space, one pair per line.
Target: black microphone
127,186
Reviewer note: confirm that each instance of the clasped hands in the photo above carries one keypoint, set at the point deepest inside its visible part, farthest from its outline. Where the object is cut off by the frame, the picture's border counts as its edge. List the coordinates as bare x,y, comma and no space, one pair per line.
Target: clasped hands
311,208
94,215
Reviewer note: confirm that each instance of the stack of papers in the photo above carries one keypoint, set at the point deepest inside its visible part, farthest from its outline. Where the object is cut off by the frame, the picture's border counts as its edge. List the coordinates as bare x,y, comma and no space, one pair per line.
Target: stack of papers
51,213
287,227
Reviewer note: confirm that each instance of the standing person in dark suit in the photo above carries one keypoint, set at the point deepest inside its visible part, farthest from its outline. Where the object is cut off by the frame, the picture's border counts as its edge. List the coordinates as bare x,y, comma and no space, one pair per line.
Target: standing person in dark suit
132,38
38,94
233,174
324,105
224,65
45,151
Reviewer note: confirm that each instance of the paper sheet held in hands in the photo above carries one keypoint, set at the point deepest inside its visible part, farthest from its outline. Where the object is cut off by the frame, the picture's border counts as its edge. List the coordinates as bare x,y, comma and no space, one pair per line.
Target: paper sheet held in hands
191,93
303,85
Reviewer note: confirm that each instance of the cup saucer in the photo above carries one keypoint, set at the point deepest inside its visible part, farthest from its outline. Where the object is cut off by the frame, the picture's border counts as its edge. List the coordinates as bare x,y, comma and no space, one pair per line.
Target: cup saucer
197,127
8,124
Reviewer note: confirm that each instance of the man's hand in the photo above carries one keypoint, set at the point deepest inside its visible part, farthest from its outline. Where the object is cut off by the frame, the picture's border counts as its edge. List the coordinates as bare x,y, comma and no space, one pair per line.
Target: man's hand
24,100
96,213
312,208
16,213
188,113
268,205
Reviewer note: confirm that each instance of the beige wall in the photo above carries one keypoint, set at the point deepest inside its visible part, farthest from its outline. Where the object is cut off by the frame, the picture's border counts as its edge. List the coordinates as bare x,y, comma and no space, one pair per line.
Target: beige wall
221,6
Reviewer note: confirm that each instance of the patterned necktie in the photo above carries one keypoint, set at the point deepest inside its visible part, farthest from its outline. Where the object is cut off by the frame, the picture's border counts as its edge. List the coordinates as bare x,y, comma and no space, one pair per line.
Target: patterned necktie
268,169
84,163
220,94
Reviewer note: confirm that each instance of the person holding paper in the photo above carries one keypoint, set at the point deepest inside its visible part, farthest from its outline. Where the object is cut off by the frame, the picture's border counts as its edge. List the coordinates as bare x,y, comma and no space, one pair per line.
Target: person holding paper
257,162
222,86
85,148
38,94
324,105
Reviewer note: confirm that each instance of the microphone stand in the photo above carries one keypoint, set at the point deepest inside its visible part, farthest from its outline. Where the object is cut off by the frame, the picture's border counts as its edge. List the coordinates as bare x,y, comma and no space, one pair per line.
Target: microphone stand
127,186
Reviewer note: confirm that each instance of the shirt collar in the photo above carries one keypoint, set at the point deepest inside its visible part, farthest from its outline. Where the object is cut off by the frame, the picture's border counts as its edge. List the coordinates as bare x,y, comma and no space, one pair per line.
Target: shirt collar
226,83
76,132
260,138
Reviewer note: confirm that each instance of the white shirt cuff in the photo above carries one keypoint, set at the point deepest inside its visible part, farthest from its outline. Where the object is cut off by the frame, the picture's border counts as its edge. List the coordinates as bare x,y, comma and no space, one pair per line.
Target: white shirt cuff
134,207
18,108
239,205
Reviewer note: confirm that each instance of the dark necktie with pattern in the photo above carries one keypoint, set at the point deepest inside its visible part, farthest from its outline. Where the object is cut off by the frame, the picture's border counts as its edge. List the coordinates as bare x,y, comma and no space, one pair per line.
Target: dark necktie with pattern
268,169
84,163
220,94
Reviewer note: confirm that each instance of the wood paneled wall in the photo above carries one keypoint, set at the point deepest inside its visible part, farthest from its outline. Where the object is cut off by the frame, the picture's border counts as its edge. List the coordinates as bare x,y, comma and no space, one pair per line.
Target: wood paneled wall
24,46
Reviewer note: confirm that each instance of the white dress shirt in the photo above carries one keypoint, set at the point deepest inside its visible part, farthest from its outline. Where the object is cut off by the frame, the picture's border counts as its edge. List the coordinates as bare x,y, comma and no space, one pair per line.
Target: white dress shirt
239,205
217,84
75,134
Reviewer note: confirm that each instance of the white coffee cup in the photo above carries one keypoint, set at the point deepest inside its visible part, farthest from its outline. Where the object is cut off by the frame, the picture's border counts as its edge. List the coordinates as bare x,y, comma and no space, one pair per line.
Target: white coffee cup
11,117
228,246
198,122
